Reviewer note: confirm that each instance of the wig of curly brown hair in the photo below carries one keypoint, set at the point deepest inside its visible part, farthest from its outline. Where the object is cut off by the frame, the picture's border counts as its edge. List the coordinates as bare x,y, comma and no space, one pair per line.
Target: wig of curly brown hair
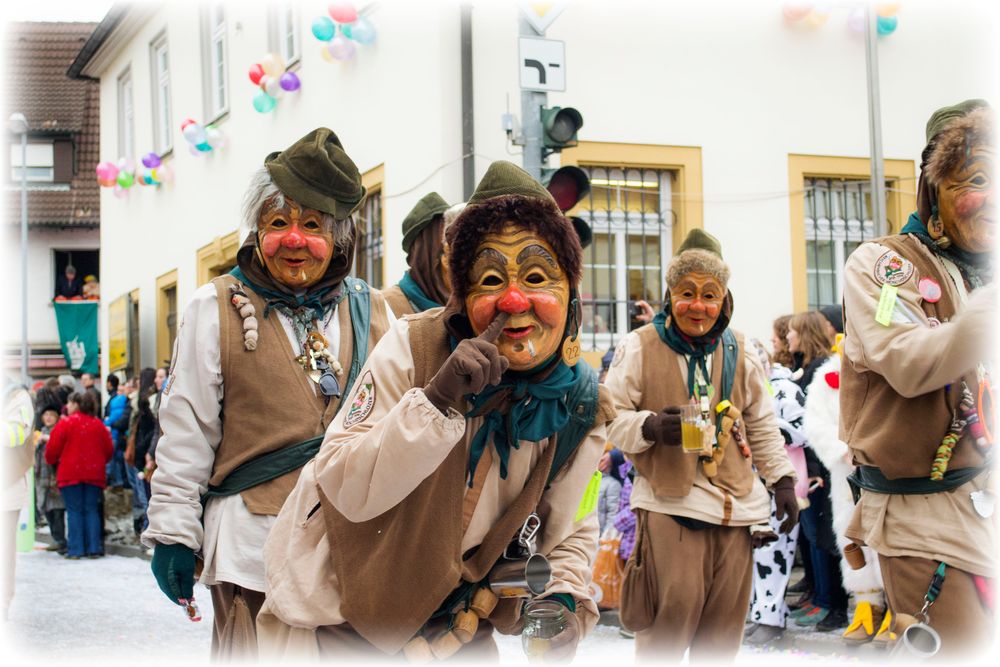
952,145
490,217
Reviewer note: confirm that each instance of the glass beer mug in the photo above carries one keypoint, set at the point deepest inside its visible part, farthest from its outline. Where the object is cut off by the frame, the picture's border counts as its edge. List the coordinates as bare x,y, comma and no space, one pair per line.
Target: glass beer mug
543,620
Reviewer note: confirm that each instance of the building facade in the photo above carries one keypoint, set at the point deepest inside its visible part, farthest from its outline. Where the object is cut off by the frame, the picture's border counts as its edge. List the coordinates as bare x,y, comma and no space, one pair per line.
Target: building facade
719,116
63,206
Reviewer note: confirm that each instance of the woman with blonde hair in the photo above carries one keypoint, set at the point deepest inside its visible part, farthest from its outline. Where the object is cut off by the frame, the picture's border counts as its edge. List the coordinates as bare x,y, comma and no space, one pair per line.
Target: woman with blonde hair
779,343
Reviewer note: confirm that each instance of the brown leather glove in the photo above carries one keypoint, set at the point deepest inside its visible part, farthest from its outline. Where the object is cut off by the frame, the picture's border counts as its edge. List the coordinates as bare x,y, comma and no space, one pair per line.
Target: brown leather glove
785,503
762,538
664,428
475,363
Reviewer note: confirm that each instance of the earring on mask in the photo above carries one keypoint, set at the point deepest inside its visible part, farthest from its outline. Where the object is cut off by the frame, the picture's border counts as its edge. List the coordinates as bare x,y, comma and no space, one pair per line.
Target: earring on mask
571,344
936,230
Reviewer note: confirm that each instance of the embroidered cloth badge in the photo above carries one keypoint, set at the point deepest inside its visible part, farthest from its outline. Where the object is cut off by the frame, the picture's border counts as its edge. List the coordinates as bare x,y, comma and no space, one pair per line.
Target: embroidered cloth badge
892,269
363,403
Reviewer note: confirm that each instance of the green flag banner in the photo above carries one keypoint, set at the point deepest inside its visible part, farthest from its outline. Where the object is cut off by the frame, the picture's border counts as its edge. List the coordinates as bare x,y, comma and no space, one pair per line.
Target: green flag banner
77,321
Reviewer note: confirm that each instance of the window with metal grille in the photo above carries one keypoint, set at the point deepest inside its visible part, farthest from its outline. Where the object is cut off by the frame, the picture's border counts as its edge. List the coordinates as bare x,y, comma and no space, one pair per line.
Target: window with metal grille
630,213
837,220
368,256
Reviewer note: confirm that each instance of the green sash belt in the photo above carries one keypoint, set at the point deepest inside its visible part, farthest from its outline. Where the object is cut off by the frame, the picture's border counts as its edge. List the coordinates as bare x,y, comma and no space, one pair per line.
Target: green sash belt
265,468
871,478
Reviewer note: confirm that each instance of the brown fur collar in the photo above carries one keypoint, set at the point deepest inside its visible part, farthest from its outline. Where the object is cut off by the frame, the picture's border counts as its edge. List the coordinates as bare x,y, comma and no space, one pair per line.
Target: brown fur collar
951,146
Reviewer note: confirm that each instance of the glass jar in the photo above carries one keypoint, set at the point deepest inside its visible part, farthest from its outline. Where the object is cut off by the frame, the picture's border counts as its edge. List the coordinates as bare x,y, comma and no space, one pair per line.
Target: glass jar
543,620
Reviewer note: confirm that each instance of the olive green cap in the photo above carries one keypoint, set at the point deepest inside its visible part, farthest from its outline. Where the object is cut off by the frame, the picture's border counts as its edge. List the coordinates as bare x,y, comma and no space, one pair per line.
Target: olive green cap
317,173
940,118
506,178
420,216
699,239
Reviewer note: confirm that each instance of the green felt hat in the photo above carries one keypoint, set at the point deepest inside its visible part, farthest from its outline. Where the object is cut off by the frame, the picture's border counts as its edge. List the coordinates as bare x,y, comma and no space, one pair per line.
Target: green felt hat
701,240
317,173
940,118
506,178
423,213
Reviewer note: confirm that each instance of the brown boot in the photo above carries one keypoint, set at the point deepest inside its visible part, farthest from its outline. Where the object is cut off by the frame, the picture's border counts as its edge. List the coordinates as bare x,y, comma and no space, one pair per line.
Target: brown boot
864,624
885,637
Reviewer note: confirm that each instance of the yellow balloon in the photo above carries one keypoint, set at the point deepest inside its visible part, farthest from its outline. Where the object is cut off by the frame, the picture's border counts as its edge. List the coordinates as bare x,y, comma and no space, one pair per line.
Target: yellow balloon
272,65
327,56
816,18
887,9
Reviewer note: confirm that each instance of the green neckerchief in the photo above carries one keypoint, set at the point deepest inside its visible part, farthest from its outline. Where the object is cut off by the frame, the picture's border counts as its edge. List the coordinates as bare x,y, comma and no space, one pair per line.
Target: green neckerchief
696,350
975,267
415,295
313,300
537,409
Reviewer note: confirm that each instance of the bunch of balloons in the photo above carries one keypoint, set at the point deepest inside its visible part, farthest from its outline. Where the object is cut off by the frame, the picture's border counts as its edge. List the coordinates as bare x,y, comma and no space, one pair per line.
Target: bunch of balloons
201,139
353,29
270,77
123,175
813,16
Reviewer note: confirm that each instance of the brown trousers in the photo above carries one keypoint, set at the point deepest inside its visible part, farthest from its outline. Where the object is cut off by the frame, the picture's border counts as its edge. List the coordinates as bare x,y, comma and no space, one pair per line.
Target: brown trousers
704,580
958,615
234,635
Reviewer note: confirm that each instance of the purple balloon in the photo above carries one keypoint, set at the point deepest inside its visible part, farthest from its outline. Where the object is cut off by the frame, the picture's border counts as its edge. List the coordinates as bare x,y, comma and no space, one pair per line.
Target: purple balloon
151,160
289,81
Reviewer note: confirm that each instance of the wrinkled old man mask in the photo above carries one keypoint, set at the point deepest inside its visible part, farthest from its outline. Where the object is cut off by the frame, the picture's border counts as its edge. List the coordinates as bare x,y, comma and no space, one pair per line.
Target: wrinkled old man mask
965,205
696,303
296,243
517,272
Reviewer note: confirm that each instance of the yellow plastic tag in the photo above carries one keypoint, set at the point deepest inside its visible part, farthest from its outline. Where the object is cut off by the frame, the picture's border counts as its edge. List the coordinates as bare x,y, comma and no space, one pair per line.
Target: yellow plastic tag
886,304
722,406
589,501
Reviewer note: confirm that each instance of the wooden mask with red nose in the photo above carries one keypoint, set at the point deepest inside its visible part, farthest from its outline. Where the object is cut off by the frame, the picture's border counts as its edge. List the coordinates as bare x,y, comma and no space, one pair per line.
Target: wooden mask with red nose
696,303
296,243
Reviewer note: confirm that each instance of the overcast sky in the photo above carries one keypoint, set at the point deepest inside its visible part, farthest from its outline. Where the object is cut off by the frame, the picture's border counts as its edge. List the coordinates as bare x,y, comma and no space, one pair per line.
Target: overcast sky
56,10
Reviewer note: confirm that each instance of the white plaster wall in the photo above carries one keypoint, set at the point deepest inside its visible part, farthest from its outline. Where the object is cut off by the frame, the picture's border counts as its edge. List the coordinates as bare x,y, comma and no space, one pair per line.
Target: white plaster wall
728,77
42,327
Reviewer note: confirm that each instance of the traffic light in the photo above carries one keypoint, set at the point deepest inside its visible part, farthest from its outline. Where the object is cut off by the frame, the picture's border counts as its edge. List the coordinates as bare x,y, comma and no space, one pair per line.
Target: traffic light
559,127
568,186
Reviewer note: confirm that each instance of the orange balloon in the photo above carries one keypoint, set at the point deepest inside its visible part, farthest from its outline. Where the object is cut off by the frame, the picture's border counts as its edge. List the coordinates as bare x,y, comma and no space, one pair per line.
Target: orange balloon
794,12
887,9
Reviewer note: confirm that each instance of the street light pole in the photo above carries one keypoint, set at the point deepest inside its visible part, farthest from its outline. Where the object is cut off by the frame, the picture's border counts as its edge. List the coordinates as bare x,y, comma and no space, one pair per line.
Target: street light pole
18,123
875,122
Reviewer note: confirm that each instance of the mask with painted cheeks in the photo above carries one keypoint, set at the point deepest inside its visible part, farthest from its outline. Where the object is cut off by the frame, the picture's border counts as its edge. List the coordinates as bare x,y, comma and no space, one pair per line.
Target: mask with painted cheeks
965,202
296,243
517,272
696,303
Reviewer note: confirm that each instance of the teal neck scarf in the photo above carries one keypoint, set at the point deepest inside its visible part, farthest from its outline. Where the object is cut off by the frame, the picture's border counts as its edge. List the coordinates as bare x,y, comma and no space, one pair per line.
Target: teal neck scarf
696,350
975,267
415,295
537,409
316,302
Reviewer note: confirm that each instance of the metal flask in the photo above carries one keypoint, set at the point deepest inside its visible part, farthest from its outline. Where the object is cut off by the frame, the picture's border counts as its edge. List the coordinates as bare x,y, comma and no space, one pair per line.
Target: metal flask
522,572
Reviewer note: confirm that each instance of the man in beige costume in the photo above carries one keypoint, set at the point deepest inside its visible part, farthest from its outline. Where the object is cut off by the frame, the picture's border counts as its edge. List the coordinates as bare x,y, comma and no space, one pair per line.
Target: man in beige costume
466,419
916,406
424,285
264,358
699,514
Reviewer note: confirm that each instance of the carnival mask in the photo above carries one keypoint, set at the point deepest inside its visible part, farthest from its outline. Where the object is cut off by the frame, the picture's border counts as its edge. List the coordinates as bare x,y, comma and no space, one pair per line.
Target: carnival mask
964,202
517,272
296,243
696,303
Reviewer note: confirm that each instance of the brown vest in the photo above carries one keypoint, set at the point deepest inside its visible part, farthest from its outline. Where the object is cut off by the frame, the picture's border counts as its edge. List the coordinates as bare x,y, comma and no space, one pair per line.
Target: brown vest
901,435
669,470
397,301
269,401
395,570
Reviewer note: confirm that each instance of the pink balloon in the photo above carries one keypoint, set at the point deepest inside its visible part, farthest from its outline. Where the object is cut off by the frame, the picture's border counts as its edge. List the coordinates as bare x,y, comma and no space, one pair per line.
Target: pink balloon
343,12
794,11
121,192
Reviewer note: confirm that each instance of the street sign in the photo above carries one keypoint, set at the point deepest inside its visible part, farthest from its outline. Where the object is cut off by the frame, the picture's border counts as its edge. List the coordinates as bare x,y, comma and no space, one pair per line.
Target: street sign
542,14
542,64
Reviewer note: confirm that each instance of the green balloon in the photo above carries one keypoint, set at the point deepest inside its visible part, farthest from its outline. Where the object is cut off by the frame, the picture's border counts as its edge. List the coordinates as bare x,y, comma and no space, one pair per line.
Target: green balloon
126,179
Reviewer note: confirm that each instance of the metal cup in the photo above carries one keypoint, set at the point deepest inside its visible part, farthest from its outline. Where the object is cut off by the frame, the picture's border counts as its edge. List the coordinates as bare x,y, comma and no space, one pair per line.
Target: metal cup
521,578
917,640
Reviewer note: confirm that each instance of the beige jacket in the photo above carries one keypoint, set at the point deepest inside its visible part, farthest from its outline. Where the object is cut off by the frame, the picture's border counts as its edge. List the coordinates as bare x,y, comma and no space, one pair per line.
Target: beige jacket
916,358
368,467
705,502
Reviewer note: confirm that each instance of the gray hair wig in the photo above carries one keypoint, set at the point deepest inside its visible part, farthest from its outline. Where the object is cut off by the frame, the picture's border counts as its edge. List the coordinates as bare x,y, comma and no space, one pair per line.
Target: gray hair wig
697,261
263,192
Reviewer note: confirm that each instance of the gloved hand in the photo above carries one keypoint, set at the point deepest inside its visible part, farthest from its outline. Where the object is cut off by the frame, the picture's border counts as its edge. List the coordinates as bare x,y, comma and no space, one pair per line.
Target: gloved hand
562,647
475,363
173,567
785,503
664,428
762,538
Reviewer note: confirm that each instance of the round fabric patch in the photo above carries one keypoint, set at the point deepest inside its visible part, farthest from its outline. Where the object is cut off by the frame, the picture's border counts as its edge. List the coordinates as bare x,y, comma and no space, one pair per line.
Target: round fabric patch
364,401
892,269
929,289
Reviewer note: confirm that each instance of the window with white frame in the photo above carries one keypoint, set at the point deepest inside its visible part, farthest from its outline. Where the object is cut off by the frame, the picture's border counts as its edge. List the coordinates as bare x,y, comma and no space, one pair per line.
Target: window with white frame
284,36
629,211
215,62
160,59
126,115
39,159
837,220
